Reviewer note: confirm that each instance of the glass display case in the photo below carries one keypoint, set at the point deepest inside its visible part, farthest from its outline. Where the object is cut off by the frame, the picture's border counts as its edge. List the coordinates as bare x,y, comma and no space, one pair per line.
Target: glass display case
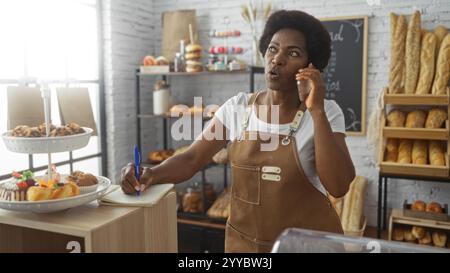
295,240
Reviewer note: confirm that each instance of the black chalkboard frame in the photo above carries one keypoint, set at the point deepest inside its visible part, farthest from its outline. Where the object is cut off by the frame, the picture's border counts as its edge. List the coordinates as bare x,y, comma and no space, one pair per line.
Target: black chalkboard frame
362,117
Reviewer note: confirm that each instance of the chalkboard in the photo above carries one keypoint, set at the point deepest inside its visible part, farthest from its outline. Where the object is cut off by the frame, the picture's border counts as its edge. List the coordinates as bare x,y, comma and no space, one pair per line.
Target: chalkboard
345,75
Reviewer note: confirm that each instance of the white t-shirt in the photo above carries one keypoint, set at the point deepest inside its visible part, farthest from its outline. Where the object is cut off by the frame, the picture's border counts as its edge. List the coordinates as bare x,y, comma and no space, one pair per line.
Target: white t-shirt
232,112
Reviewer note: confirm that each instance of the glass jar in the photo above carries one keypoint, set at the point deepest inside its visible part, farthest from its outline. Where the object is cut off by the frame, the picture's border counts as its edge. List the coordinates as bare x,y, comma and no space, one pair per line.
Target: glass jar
193,200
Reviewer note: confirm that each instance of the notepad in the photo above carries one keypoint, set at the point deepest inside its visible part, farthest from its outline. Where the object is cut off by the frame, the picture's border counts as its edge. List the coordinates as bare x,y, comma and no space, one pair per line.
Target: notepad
147,198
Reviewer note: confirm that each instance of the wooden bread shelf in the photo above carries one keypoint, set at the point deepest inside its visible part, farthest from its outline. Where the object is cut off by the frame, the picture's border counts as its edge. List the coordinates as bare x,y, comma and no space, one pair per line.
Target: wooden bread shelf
415,169
417,133
414,99
397,217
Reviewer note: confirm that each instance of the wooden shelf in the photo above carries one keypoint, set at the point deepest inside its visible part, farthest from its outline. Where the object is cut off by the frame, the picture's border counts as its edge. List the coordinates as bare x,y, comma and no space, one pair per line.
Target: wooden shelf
414,99
416,133
144,116
200,219
415,169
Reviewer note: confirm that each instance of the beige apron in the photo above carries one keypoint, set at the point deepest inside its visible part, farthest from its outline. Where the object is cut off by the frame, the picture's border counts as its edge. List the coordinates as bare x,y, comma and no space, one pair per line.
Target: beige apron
270,192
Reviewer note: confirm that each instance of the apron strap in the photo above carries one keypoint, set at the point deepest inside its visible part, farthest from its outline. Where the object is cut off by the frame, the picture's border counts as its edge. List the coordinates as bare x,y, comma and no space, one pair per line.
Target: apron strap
293,128
248,110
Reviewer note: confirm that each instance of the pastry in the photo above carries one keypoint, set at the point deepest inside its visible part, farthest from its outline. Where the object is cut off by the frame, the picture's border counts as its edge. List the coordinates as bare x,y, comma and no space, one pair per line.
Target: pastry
427,63
418,205
194,66
418,232
43,127
396,118
436,118
434,207
75,128
397,67
157,157
50,190
405,151
412,53
415,119
408,236
33,132
20,131
221,207
16,188
38,193
436,153
161,60
391,150
426,240
439,238
442,68
61,131
419,152
398,234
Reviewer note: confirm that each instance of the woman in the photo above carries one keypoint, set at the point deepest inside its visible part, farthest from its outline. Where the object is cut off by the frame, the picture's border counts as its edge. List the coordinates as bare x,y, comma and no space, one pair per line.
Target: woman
283,186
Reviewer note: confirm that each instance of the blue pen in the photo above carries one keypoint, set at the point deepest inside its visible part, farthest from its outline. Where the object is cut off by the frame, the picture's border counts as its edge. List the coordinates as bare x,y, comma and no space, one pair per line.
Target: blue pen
137,164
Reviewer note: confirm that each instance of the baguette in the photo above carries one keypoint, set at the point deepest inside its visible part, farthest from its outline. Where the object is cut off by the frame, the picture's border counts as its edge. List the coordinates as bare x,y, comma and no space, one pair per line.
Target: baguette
442,68
397,68
436,153
427,62
391,150
416,119
412,53
436,118
419,152
440,32
405,151
357,204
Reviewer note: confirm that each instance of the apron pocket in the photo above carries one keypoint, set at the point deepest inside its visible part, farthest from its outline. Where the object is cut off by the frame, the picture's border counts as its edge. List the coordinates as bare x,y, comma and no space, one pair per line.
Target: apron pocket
246,183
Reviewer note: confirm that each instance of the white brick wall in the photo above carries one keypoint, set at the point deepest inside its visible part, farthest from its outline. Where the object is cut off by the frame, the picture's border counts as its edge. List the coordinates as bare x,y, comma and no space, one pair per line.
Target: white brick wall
133,29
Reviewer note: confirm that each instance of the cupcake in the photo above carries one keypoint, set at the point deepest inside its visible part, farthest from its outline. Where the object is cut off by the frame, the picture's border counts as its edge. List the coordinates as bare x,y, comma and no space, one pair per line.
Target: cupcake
85,181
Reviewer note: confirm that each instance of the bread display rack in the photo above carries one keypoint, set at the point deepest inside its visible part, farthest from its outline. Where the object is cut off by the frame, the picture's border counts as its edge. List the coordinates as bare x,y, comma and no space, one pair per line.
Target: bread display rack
439,134
48,145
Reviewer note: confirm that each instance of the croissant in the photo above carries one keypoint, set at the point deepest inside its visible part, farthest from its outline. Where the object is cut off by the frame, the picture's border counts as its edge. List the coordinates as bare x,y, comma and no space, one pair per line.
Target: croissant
436,118
419,152
416,119
404,151
436,153
396,118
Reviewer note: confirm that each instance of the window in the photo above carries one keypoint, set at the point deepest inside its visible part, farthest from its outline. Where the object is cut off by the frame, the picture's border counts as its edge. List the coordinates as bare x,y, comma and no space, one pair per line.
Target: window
55,40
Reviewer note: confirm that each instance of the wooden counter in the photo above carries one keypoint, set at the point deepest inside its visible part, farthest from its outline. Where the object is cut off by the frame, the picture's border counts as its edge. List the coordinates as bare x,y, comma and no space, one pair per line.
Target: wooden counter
92,228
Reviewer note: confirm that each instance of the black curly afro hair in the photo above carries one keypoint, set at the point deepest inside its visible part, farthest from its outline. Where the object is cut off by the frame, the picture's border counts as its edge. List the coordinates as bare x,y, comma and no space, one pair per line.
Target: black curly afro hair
318,42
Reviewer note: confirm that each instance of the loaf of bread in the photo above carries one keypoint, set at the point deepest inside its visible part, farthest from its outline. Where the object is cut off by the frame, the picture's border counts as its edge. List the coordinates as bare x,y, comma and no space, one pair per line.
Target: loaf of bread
357,203
436,118
418,205
434,207
396,118
338,203
405,151
419,152
439,238
440,32
416,119
442,68
408,236
436,153
426,239
427,63
397,68
391,150
398,234
418,232
412,53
